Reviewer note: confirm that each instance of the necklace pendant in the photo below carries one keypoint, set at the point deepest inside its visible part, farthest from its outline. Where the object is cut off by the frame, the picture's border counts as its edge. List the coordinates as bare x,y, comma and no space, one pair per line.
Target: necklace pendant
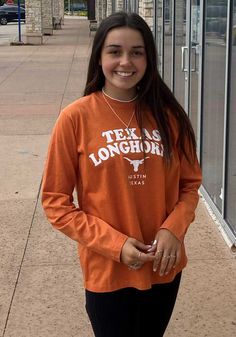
125,124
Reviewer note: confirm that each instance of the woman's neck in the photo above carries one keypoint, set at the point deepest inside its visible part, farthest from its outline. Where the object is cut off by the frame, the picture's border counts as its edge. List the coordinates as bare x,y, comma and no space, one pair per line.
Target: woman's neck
120,98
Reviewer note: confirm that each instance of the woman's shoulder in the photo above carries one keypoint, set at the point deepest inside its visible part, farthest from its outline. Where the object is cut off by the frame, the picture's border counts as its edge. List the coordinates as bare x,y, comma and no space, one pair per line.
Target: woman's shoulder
81,105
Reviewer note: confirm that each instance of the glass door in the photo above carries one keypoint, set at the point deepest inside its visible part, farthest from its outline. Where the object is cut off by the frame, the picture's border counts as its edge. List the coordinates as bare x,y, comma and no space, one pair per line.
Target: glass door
180,71
187,57
213,120
194,72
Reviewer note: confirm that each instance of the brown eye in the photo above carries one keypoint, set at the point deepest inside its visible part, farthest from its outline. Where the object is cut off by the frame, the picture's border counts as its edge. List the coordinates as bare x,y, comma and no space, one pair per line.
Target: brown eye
137,53
114,52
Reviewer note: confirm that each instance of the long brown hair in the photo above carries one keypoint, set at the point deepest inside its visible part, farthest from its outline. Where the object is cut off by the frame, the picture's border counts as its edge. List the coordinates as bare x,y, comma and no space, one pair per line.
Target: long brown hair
153,92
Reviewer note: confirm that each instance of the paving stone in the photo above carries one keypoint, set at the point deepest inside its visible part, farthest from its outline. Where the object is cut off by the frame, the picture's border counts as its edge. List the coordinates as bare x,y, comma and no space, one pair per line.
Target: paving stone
47,246
22,167
8,277
203,240
49,302
206,301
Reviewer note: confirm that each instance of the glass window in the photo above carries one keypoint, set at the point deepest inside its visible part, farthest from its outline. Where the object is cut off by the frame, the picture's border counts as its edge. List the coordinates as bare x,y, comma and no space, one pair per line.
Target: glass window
214,98
231,162
180,42
194,73
168,42
159,34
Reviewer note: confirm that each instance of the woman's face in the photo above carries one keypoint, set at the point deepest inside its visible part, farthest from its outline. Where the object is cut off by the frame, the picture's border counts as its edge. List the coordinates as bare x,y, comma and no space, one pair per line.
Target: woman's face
123,61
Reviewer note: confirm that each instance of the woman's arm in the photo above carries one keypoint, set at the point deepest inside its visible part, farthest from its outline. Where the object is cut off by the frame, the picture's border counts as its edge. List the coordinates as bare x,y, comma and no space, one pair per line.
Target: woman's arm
60,177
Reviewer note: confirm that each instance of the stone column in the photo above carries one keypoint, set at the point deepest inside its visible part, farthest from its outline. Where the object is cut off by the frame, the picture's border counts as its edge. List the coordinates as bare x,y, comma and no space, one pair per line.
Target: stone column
47,17
34,34
119,5
61,10
104,9
99,11
55,8
109,7
146,11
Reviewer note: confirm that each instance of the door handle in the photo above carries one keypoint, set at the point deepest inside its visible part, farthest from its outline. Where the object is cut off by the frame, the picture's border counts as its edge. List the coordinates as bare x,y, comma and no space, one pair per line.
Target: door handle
183,53
194,49
183,63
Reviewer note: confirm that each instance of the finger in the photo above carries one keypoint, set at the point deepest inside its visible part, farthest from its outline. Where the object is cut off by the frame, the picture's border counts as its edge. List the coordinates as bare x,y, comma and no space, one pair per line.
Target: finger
158,257
141,246
135,266
143,257
171,263
139,261
164,263
153,247
178,258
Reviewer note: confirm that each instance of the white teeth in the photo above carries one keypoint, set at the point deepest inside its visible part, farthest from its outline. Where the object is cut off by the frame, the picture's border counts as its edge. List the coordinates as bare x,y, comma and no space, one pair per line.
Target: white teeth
124,73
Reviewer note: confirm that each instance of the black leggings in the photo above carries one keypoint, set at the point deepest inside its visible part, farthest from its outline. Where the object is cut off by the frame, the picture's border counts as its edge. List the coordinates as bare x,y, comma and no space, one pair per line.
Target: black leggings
130,312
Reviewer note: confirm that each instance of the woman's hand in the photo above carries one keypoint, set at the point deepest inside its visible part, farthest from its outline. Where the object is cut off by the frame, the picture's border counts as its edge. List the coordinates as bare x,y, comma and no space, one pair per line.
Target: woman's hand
134,254
167,252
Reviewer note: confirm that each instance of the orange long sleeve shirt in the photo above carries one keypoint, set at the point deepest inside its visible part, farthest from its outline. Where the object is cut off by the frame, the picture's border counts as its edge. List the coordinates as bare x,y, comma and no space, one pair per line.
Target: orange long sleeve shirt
121,193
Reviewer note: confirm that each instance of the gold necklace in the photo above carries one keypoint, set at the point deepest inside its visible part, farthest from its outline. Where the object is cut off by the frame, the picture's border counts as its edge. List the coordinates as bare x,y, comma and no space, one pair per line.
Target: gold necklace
119,100
132,116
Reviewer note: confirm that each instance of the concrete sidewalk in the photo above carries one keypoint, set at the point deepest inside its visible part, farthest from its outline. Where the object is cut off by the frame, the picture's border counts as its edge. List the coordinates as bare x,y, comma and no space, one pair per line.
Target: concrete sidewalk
41,289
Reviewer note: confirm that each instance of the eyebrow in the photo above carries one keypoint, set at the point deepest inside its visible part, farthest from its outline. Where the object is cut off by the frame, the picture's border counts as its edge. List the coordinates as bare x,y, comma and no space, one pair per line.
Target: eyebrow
119,46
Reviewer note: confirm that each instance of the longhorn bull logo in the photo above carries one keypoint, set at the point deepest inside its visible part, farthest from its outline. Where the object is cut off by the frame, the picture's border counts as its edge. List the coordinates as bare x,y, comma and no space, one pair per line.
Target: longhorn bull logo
136,163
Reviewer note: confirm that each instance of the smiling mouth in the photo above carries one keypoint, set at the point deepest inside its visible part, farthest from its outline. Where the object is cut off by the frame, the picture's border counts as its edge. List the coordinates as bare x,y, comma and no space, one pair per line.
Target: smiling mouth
124,73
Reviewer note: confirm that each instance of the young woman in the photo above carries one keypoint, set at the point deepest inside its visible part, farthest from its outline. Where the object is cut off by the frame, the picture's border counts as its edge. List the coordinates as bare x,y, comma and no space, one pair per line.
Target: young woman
129,149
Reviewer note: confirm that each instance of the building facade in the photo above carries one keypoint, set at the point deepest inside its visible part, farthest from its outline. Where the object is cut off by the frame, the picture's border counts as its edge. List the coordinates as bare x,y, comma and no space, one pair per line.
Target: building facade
196,42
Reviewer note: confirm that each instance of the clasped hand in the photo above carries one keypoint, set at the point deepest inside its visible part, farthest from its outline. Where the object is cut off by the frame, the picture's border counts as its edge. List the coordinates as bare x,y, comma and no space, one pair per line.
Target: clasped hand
164,252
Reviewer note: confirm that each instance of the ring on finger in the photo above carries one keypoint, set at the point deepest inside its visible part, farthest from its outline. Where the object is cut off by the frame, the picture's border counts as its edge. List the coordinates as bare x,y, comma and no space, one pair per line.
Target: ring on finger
134,266
166,256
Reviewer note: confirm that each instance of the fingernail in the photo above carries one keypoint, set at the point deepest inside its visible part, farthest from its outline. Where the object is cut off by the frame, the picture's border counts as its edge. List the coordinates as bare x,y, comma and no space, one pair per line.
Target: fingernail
161,273
154,269
154,242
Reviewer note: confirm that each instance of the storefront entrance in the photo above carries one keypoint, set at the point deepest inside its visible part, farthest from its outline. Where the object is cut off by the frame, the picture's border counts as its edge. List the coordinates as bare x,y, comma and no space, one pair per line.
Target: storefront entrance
196,41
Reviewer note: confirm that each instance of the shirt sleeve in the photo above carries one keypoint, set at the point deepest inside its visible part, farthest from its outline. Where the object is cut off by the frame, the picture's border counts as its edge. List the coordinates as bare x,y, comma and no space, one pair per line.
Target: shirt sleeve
182,212
59,181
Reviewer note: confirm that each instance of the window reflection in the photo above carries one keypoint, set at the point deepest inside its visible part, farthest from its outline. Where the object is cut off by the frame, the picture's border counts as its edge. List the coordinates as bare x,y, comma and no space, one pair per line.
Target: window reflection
159,40
194,74
168,42
231,163
180,41
214,98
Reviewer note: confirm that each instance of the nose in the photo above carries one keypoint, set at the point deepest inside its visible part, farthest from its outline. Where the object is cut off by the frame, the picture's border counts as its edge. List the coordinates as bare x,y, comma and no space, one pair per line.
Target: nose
125,59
